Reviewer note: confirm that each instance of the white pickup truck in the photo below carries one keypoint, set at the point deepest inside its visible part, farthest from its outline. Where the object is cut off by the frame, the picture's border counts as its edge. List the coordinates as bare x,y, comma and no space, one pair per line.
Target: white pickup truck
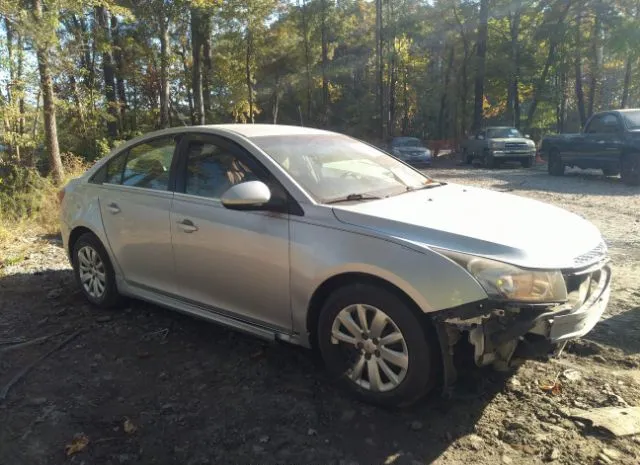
494,145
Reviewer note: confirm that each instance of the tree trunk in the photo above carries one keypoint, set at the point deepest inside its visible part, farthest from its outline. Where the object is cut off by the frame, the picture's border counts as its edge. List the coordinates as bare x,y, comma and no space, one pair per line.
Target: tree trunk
164,72
596,57
578,67
13,149
512,88
185,69
248,74
119,61
443,100
380,66
102,22
627,81
307,56
43,51
325,61
540,83
481,52
196,76
207,65
76,100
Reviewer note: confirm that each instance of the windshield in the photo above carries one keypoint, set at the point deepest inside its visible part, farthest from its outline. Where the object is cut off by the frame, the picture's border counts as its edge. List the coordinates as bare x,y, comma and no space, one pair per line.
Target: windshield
631,119
500,133
331,166
406,142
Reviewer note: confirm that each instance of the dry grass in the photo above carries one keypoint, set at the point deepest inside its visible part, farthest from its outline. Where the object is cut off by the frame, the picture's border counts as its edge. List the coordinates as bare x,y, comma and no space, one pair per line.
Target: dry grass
29,203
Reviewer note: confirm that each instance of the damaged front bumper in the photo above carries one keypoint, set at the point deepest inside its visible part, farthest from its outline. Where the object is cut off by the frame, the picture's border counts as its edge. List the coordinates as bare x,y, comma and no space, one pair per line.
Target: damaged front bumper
496,328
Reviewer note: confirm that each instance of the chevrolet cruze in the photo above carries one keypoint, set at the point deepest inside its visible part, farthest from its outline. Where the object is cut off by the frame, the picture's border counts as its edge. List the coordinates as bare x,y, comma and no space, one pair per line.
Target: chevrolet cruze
318,239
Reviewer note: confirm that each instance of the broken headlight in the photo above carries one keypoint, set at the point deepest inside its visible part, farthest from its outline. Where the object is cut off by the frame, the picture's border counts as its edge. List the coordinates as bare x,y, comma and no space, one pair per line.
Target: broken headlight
507,282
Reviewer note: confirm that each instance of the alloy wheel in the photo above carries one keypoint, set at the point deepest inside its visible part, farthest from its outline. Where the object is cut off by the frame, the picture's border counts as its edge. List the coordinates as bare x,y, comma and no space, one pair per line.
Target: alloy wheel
376,349
92,272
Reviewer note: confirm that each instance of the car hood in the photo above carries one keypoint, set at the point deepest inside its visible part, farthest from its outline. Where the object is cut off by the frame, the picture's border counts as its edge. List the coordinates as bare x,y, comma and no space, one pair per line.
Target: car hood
510,139
480,222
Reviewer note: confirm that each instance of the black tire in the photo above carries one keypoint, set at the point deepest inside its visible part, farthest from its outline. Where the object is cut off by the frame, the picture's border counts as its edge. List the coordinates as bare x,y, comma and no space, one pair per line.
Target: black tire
630,169
555,166
422,367
110,297
468,159
527,163
610,171
490,161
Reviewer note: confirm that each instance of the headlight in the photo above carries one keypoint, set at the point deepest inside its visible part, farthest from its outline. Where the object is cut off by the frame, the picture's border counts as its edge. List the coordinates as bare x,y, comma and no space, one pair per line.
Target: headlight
507,282
496,145
531,144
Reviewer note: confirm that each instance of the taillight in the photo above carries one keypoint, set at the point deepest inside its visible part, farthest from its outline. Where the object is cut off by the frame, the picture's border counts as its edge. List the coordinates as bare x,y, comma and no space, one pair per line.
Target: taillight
61,195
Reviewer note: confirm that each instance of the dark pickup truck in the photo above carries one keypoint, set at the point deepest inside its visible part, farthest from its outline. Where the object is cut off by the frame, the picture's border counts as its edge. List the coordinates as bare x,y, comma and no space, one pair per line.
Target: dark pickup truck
610,141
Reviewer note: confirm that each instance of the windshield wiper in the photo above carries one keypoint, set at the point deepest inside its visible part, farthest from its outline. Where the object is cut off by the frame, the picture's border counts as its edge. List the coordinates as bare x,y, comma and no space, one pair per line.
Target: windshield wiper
427,186
354,198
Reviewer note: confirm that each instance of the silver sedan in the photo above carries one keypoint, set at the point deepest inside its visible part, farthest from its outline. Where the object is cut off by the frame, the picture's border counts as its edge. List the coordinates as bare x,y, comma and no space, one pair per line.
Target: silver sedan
318,239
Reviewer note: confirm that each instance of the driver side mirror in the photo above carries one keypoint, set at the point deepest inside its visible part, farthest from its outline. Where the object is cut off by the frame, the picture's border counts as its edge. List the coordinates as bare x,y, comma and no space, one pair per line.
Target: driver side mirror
250,195
480,137
527,136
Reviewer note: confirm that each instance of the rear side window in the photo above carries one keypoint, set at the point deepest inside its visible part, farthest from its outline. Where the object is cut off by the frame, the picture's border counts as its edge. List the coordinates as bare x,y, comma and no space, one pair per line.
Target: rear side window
148,164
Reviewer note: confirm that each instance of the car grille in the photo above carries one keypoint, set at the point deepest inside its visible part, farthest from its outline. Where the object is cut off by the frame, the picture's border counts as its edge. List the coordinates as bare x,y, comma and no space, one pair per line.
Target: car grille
516,146
595,255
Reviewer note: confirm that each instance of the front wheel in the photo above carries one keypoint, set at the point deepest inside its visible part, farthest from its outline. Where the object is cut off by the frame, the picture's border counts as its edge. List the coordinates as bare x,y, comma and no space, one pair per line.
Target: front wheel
94,272
630,169
527,163
372,342
490,161
555,166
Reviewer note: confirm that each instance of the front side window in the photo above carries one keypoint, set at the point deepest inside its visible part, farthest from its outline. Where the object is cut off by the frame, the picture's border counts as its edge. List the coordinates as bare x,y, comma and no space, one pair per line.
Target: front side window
148,164
212,169
406,142
332,166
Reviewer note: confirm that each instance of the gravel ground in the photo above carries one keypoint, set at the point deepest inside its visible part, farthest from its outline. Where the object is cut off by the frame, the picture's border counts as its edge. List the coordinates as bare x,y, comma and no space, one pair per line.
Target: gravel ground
145,385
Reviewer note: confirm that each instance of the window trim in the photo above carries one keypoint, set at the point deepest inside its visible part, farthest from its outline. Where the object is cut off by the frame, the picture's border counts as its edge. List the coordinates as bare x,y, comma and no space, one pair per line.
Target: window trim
177,137
291,207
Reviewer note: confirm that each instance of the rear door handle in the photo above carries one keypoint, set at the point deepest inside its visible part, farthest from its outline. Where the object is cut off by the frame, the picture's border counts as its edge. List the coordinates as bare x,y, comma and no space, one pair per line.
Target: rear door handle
113,208
187,226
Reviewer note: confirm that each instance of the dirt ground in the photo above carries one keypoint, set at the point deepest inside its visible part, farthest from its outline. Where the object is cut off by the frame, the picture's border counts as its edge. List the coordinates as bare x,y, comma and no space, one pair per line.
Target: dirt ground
149,386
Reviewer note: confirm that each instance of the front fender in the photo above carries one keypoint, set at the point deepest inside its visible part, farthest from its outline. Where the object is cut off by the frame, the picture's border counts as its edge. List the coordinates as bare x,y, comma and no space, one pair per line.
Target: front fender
319,253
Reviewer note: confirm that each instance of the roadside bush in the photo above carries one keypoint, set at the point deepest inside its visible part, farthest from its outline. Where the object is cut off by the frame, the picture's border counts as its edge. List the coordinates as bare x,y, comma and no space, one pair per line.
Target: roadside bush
29,199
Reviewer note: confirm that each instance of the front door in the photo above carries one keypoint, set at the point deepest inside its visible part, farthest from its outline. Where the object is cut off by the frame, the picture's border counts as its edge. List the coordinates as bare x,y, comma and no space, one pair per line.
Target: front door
229,261
135,201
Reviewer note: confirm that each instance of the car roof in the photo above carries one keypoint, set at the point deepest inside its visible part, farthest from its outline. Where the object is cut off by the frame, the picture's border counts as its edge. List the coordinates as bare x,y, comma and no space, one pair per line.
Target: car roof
259,130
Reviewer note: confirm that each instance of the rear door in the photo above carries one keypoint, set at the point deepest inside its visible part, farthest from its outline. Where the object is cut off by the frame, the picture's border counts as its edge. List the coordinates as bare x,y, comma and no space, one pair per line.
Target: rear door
229,261
135,202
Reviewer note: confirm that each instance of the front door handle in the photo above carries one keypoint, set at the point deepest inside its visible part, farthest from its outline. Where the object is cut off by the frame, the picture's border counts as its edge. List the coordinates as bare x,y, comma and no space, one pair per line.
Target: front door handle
187,226
113,208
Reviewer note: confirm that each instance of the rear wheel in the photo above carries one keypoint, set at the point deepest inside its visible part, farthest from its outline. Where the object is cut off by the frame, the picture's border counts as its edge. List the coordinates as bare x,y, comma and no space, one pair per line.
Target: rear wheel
555,166
630,169
94,272
372,342
467,157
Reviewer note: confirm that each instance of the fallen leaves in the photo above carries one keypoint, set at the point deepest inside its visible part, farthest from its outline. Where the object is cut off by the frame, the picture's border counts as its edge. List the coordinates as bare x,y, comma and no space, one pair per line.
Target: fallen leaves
554,387
129,427
78,444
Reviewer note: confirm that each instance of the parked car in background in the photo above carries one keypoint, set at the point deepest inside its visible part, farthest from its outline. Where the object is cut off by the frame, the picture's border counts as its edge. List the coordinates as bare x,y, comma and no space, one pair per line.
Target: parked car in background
495,145
315,238
410,150
610,141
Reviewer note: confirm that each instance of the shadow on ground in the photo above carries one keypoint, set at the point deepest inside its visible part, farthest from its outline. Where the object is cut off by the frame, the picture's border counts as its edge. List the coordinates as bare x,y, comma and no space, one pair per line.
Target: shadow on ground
197,393
621,331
